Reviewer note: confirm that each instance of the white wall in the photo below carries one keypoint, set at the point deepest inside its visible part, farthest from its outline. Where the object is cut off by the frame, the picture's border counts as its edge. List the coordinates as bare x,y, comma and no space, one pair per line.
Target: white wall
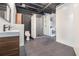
13,12
39,25
76,28
19,27
33,26
64,24
2,22
46,26
67,25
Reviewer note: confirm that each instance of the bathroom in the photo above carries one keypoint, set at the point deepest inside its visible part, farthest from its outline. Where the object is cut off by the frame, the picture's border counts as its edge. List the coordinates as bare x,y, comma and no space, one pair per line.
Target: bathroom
36,29
35,23
13,18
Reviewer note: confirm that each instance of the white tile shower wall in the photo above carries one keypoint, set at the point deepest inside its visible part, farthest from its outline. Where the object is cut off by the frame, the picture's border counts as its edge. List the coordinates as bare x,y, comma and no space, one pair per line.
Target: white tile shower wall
33,26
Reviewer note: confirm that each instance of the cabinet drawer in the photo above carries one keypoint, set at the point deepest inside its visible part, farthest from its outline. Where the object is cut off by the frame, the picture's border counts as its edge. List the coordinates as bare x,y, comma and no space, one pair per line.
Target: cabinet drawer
5,46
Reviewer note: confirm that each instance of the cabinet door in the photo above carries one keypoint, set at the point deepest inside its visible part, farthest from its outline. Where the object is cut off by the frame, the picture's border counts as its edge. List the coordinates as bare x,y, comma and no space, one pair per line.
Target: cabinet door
9,46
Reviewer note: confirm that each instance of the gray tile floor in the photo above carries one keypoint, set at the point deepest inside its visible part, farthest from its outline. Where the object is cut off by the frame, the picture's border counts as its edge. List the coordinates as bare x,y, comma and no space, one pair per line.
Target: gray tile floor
22,51
47,46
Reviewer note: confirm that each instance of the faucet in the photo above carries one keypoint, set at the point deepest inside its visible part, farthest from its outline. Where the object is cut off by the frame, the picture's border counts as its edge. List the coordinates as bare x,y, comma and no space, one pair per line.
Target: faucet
4,27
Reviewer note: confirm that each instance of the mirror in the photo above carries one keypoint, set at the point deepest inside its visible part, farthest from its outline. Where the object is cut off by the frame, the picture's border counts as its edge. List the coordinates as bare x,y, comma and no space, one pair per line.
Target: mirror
5,12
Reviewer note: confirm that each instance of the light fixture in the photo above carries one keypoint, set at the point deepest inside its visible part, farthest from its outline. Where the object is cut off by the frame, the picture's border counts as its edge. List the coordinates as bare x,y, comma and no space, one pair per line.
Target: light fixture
23,5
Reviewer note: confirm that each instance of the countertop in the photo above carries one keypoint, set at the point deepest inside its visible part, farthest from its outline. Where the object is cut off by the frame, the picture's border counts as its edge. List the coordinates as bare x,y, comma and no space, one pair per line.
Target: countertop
9,33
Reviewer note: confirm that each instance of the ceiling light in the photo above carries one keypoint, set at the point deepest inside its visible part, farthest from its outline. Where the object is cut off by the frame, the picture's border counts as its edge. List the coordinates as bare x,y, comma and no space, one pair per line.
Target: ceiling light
23,5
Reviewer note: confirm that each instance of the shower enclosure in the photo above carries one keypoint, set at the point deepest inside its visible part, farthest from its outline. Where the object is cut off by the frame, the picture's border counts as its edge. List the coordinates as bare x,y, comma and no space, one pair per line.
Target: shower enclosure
36,26
43,25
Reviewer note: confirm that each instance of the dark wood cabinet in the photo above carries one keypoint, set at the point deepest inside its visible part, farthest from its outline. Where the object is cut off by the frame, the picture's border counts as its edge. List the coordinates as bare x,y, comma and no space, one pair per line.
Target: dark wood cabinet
9,46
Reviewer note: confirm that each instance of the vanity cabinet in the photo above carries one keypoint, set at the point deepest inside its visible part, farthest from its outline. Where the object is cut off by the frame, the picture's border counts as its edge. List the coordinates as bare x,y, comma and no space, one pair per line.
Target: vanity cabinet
9,46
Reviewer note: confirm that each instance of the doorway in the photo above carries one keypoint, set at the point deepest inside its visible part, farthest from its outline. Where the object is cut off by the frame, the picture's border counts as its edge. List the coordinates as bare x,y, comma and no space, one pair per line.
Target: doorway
26,20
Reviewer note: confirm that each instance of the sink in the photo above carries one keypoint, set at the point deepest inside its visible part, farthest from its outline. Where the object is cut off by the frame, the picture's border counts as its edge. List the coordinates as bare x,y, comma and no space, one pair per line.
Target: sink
9,33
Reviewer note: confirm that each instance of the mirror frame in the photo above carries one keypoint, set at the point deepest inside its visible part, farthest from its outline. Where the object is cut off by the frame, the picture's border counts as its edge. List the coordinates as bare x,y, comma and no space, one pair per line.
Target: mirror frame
5,18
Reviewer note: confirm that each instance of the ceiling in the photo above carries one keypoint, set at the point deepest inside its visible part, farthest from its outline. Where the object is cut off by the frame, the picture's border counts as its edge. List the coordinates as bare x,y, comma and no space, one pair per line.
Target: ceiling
36,7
